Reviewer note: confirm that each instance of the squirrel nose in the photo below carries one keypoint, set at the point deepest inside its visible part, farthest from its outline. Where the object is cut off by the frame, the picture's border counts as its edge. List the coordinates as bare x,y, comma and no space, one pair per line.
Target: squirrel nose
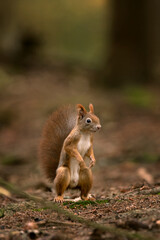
98,127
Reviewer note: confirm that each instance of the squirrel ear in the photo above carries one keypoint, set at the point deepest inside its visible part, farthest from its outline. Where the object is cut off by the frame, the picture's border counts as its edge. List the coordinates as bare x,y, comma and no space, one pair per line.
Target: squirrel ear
81,111
91,108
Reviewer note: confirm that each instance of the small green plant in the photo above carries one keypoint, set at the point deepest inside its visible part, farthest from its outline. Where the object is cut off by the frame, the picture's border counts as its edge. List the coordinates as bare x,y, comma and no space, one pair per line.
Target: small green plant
39,209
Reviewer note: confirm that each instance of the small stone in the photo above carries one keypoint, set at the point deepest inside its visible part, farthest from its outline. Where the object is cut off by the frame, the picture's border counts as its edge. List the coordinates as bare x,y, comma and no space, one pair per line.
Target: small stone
30,226
2,237
158,222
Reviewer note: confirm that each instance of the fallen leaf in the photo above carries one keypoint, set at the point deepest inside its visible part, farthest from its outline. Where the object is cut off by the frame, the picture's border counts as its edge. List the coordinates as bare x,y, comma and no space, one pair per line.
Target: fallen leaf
30,226
142,173
158,222
5,192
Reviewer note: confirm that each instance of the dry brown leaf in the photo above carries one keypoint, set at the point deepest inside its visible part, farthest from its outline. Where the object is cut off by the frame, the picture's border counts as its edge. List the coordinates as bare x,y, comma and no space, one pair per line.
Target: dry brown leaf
5,192
142,173
158,222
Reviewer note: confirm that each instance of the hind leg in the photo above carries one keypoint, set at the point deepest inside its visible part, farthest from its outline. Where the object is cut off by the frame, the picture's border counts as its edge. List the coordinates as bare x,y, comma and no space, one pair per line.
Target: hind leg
61,182
85,182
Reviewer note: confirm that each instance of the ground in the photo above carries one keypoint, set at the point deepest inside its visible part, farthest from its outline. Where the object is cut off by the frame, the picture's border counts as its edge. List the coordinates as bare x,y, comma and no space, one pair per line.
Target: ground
126,176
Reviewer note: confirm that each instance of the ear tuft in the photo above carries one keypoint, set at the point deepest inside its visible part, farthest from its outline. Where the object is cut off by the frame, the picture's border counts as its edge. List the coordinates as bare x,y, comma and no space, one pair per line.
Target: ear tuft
91,108
81,111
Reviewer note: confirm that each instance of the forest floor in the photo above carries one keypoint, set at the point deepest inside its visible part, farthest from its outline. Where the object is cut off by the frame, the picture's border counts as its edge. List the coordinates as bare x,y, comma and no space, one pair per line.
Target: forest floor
126,176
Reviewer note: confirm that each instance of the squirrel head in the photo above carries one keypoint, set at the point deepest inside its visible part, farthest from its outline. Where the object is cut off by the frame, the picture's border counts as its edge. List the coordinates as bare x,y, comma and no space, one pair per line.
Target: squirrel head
87,121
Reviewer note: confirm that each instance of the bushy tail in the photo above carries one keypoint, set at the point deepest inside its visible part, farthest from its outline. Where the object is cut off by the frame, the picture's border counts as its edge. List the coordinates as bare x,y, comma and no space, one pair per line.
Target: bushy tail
56,129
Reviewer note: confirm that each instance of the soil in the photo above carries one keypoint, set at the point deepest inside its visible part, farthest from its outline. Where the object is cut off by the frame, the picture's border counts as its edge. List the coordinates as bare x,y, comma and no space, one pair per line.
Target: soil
126,175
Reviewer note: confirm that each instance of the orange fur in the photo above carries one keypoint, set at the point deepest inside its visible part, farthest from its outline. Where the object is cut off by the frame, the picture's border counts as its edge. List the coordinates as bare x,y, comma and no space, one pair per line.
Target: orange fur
55,131
66,141
61,182
85,182
91,108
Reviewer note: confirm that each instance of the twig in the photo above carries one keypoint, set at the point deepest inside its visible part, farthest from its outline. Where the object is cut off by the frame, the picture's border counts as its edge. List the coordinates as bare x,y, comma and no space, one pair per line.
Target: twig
138,191
155,190
55,207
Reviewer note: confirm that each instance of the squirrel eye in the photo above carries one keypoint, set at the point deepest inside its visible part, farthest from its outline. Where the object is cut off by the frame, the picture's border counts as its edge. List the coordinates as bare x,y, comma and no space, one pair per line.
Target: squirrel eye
88,120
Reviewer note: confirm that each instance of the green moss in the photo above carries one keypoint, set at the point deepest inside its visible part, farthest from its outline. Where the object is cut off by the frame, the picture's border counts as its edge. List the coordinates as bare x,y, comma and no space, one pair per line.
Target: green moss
83,204
1,212
39,209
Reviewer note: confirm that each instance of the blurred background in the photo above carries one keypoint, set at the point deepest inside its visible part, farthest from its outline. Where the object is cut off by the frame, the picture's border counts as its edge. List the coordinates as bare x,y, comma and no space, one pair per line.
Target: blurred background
102,51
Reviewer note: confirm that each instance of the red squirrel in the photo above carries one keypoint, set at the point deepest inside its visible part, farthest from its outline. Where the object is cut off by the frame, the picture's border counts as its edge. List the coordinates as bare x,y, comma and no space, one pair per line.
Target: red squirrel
67,140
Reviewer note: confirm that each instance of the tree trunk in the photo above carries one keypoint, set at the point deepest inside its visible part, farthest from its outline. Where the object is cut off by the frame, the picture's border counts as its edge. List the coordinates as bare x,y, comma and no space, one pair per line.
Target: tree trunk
153,37
135,48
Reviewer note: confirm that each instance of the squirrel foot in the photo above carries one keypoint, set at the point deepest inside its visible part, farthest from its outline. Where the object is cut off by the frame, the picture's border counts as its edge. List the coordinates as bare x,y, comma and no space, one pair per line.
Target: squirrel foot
88,198
58,199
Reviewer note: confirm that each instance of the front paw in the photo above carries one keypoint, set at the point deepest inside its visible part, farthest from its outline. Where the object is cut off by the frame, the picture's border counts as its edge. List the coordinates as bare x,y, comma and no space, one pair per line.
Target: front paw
88,198
92,163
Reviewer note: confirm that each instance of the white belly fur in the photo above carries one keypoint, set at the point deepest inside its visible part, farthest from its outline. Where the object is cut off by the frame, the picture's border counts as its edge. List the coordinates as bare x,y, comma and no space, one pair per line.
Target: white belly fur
74,171
83,146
